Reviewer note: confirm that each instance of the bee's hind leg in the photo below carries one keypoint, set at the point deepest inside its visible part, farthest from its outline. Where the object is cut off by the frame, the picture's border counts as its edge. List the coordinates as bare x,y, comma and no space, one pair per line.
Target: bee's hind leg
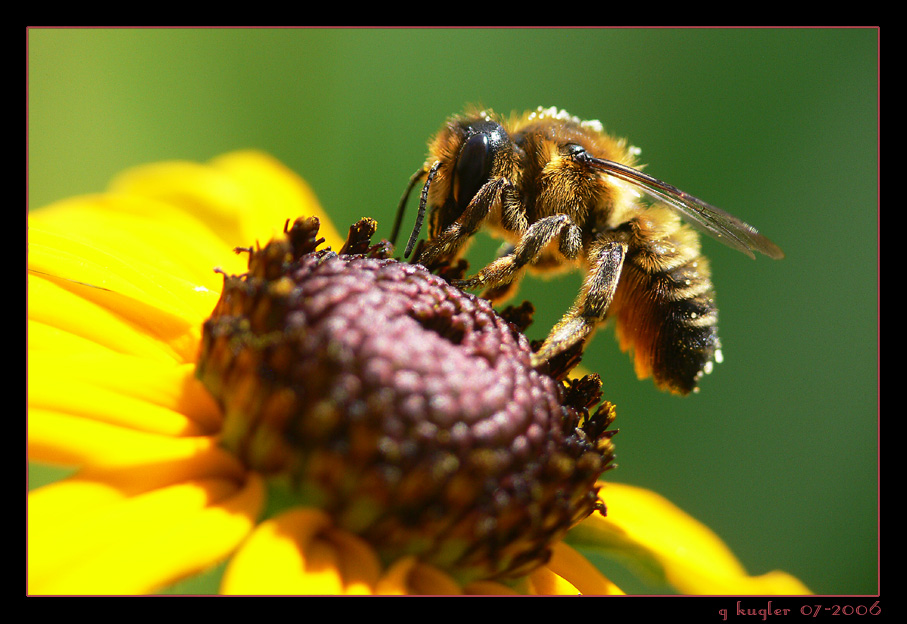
606,258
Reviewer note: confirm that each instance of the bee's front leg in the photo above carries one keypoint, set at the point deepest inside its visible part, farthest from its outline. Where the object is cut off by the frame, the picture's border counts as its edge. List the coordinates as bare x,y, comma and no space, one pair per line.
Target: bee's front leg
447,243
606,259
533,242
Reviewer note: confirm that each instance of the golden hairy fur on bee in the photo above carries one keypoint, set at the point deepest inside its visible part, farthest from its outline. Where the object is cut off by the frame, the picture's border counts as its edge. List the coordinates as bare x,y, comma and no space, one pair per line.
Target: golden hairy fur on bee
564,194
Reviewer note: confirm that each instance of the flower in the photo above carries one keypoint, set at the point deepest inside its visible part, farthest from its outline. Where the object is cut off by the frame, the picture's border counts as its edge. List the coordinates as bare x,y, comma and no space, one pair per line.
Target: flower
165,484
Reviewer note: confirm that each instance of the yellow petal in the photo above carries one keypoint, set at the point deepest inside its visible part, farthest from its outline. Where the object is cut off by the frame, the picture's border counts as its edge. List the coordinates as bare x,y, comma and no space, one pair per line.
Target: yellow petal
661,538
88,537
124,453
118,286
544,582
300,553
357,561
489,588
243,196
44,337
575,574
408,577
274,186
111,320
142,257
140,247
139,393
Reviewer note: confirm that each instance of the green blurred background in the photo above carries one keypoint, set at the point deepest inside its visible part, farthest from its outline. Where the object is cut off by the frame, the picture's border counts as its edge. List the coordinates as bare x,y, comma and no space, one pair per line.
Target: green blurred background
778,453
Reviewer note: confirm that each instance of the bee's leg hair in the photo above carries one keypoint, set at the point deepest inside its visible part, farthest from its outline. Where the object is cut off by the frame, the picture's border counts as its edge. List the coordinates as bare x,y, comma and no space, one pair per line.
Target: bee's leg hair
506,268
606,259
448,243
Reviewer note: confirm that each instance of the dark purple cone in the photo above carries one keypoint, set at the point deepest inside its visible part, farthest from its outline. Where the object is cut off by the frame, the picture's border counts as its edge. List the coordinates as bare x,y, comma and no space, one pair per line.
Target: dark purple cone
403,406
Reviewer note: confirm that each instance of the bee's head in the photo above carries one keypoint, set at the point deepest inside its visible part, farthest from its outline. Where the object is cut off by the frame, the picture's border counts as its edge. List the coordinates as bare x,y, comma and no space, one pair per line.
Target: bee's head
484,144
468,153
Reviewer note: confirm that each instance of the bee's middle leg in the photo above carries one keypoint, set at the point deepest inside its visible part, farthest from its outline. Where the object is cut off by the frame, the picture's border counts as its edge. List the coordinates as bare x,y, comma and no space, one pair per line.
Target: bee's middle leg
591,306
506,268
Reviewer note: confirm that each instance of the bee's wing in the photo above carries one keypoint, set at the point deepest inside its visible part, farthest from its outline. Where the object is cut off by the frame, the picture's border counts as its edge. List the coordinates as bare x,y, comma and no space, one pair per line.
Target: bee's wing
713,221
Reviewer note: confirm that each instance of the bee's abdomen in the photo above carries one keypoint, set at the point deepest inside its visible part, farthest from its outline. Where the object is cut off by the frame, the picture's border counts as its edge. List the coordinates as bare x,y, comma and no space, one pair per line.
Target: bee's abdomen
665,306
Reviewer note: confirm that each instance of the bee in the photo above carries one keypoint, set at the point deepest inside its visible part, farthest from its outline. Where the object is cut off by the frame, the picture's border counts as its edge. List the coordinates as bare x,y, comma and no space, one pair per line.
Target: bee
563,194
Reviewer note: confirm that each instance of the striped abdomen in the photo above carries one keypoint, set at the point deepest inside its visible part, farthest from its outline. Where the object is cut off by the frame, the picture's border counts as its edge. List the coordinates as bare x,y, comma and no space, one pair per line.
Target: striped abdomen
664,305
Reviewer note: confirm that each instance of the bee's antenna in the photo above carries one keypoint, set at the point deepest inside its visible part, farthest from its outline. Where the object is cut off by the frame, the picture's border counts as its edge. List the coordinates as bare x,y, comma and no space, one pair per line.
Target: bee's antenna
421,215
401,208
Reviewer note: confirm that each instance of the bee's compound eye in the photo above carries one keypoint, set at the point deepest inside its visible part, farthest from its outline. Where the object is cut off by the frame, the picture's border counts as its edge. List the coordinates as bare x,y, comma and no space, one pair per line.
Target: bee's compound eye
473,167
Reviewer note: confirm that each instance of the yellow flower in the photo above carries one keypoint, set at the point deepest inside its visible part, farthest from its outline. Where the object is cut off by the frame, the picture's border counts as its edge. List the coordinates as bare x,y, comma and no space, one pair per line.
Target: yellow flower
119,285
